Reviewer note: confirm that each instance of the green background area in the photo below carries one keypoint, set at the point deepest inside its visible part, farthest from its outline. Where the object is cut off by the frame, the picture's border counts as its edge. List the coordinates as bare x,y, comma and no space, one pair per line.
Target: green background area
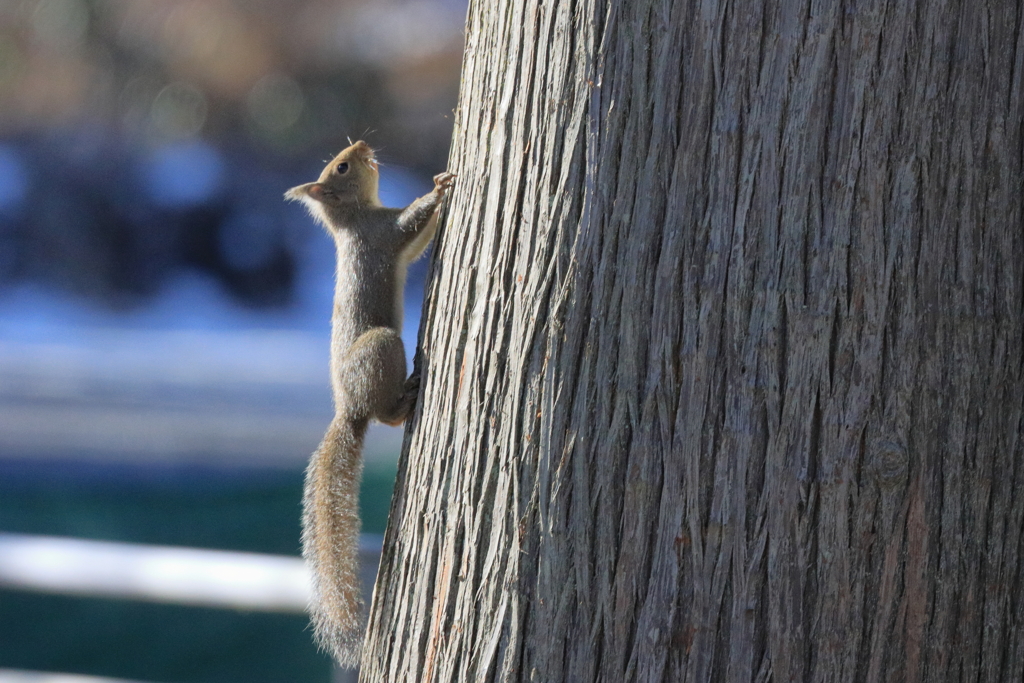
197,507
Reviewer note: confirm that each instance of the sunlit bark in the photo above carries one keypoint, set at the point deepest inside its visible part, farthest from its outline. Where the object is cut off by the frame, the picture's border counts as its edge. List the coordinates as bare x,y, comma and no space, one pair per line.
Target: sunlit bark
722,355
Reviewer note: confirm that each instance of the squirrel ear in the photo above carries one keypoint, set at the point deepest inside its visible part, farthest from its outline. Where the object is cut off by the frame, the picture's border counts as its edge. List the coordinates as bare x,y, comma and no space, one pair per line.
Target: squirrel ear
307,191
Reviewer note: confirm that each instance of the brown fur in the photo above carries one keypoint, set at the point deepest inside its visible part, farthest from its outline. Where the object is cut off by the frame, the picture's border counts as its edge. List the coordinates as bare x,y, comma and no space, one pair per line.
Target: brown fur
375,245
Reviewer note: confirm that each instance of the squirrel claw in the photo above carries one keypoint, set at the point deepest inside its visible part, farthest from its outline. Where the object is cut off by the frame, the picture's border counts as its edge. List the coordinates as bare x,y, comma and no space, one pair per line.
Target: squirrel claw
443,182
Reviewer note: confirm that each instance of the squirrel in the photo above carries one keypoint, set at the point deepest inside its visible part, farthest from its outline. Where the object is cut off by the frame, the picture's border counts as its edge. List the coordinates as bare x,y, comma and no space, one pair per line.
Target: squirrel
375,246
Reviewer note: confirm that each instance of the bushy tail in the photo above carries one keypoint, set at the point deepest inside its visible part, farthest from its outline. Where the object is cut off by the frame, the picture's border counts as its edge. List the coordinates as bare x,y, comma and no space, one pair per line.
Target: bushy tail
330,540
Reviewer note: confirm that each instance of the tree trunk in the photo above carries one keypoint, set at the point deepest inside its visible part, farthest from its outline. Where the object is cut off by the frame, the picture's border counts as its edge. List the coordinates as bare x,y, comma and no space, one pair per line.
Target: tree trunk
723,353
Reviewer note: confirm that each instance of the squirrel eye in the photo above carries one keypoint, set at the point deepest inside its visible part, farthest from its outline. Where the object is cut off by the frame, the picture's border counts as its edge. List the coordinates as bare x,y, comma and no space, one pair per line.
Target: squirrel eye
343,168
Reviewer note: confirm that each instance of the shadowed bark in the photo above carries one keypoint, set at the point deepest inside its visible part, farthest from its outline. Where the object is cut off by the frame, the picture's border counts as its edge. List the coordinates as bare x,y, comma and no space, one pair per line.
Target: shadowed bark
723,351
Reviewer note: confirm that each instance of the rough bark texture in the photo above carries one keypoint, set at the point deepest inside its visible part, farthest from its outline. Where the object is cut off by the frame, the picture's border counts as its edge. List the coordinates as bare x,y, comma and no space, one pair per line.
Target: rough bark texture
724,351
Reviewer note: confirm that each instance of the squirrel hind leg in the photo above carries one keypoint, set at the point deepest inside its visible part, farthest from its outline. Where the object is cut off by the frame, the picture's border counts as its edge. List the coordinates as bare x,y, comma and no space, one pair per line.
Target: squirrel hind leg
405,405
373,377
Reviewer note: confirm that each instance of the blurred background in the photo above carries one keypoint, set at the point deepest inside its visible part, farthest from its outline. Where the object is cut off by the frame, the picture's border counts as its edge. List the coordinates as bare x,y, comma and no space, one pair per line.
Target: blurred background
165,316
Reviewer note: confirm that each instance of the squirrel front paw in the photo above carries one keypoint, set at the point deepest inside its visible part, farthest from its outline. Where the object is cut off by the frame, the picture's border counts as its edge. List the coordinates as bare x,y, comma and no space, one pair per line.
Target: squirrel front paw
443,182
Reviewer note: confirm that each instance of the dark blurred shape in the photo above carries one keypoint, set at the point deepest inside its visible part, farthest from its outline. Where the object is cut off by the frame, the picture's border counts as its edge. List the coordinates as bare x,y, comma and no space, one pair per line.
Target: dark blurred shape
13,179
110,224
13,192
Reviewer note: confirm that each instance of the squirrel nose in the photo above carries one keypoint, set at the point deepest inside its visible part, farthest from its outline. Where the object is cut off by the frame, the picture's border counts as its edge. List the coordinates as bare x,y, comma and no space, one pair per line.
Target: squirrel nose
363,150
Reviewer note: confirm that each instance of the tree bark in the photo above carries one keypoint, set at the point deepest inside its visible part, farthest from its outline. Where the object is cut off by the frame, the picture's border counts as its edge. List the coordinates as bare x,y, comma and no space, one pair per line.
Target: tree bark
723,352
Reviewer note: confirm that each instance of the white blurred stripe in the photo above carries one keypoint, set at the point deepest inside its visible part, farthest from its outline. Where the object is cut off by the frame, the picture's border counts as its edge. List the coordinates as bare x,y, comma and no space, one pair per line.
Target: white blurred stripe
20,676
188,576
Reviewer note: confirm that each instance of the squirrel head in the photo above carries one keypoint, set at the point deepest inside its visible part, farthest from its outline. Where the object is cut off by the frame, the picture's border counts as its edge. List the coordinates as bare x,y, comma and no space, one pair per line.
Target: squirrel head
349,179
